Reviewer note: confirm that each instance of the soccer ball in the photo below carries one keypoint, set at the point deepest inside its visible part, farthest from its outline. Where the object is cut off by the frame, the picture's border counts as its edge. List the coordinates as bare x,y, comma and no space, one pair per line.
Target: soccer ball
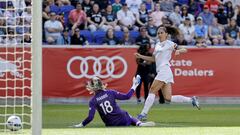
14,123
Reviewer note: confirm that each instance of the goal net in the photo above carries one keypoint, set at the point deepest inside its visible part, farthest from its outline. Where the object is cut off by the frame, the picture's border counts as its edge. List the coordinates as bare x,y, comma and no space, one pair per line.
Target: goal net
17,63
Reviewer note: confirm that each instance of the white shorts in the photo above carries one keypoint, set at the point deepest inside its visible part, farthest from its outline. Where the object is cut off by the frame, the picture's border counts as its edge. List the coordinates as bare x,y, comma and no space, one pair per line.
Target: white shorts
165,74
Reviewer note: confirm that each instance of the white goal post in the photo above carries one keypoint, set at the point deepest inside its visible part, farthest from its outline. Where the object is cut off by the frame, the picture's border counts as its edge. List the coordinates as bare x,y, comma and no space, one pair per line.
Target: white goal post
37,67
21,64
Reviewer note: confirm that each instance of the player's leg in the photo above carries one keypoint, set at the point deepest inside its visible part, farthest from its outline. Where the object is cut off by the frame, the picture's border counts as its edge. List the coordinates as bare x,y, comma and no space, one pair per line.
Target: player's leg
167,93
156,85
138,92
146,88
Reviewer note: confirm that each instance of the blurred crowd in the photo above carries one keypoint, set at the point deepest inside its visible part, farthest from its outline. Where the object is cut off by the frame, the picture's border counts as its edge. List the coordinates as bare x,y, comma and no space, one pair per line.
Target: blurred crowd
15,22
200,23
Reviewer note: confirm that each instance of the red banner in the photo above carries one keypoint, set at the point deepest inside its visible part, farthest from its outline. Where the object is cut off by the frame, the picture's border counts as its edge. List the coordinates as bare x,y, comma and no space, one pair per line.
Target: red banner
207,72
200,72
65,71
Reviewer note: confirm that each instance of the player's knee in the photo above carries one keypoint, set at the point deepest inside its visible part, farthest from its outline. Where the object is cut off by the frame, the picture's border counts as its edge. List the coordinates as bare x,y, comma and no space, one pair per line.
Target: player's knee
152,90
167,98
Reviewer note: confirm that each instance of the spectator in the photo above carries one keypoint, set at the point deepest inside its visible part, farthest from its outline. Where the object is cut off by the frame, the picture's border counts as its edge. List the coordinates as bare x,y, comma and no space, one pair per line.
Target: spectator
180,39
157,15
238,15
2,40
78,18
74,2
188,31
142,39
142,16
221,15
200,42
111,19
2,26
206,15
10,14
149,5
229,9
53,29
215,33
126,18
127,40
134,5
96,20
232,33
175,16
167,6
28,2
19,5
110,38
102,4
1,12
19,27
64,39
182,2
11,39
53,6
186,14
86,6
201,30
45,17
234,2
2,30
151,30
194,7
27,38
27,15
116,6
77,39
65,11
212,5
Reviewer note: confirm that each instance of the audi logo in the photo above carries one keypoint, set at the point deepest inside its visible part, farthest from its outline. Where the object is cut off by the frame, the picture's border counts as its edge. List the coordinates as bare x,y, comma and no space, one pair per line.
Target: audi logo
97,67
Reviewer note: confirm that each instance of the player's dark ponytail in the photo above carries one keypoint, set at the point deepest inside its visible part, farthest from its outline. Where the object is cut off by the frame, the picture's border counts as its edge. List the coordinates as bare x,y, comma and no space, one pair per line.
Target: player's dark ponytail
173,31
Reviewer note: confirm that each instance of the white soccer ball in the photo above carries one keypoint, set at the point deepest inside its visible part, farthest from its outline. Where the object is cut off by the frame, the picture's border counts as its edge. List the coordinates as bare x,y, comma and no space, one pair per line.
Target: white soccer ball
14,123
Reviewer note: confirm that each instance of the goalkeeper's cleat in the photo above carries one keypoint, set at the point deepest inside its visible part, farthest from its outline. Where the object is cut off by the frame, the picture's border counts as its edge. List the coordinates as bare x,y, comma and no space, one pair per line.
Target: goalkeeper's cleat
142,117
147,124
195,102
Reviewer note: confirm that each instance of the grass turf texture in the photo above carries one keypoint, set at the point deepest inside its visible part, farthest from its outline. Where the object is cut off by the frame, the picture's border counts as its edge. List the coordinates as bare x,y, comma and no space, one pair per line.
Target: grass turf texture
170,120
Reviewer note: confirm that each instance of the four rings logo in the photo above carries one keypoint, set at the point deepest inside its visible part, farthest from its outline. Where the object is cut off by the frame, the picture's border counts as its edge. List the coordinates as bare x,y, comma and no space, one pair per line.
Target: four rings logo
97,67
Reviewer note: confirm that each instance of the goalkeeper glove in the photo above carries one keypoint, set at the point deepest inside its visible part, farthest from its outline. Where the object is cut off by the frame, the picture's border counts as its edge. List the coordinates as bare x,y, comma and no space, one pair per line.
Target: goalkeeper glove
136,82
78,125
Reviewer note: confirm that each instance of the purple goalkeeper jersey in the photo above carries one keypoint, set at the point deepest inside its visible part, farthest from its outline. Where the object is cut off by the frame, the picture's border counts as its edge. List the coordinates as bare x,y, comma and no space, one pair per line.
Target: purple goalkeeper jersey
104,101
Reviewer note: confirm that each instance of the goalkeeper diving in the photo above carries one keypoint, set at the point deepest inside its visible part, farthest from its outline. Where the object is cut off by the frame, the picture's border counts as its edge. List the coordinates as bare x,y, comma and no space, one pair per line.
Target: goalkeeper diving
104,101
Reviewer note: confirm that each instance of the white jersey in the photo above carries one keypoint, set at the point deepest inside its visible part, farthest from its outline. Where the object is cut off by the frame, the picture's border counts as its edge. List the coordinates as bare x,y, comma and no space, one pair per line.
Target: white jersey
163,53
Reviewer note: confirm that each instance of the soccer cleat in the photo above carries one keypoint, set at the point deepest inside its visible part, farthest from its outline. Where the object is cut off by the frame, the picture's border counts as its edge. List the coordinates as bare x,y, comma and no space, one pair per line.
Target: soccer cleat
142,117
139,101
147,124
195,102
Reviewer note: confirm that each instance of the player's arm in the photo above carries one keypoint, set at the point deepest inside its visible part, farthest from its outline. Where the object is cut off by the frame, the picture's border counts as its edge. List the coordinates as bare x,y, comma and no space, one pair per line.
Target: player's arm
179,49
146,58
123,96
90,117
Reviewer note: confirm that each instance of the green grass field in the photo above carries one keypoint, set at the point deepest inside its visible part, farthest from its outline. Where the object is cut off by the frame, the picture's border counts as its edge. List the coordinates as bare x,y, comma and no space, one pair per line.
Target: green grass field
170,120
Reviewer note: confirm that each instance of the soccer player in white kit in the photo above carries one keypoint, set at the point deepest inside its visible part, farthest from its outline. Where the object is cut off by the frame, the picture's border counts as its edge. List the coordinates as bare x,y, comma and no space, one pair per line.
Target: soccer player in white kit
164,78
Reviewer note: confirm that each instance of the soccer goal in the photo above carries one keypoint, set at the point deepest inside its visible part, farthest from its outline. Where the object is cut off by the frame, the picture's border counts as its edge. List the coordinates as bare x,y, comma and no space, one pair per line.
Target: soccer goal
21,64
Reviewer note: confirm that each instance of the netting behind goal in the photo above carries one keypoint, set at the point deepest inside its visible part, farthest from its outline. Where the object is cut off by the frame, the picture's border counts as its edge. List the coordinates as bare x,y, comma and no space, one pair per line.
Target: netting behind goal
15,61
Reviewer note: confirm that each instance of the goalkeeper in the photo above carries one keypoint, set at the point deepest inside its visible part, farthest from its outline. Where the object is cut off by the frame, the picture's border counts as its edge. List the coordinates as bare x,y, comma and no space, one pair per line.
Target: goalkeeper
104,101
